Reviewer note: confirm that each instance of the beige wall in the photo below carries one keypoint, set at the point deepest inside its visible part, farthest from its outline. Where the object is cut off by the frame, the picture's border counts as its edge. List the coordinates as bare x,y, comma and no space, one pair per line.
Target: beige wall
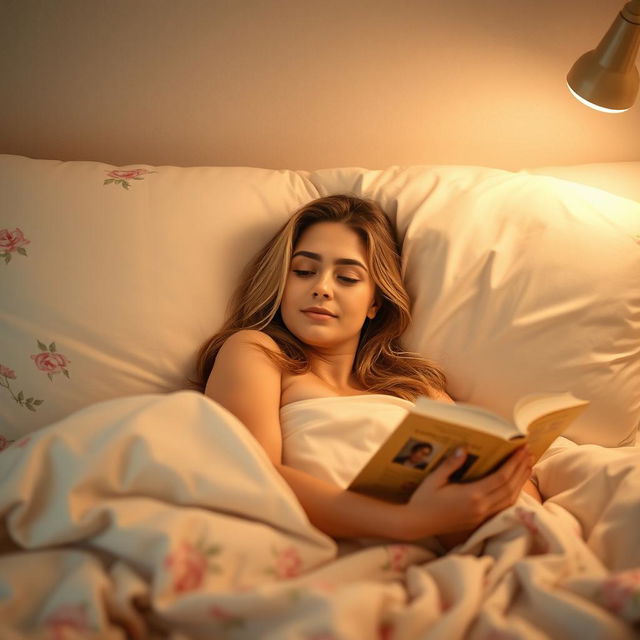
301,84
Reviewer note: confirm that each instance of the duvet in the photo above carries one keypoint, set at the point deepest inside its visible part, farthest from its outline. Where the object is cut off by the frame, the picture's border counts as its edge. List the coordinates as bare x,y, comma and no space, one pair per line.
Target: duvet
159,516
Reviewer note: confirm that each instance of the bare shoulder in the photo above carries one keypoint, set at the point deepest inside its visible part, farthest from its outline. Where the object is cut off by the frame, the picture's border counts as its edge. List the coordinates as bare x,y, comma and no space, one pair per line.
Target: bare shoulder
249,337
240,359
246,382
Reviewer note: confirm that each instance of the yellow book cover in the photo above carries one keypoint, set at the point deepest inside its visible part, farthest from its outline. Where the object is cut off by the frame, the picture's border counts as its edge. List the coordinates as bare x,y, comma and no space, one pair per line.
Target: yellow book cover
432,430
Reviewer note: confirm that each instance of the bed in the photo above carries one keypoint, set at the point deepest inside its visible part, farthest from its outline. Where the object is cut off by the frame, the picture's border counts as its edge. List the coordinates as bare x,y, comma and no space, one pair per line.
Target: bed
134,507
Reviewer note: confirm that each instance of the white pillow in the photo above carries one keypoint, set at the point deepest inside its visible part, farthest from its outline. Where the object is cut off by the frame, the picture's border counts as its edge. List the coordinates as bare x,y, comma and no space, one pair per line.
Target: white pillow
123,276
126,279
621,178
520,284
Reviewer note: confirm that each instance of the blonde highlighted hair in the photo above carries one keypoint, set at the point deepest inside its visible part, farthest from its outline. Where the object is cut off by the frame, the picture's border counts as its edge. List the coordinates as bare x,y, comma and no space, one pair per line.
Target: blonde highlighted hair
380,365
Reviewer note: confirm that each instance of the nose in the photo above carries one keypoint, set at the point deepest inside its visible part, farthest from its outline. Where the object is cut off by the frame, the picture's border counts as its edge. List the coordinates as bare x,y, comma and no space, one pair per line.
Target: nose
322,288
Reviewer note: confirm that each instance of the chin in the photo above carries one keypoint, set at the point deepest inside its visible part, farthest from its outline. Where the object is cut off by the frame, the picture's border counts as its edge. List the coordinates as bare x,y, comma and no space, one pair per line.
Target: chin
303,333
312,337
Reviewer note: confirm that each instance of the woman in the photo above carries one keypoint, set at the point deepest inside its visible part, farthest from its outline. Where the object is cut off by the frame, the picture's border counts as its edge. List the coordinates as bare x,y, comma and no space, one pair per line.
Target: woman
319,314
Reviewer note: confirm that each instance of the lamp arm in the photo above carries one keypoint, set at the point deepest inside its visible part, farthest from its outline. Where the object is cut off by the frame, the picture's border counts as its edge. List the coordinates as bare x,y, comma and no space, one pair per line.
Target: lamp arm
618,48
631,12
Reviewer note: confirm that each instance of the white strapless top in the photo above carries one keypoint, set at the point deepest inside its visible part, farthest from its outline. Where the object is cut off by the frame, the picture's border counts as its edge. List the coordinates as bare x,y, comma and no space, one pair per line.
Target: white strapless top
333,437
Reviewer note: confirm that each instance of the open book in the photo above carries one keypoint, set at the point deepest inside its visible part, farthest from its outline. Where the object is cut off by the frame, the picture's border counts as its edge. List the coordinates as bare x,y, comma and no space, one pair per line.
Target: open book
432,430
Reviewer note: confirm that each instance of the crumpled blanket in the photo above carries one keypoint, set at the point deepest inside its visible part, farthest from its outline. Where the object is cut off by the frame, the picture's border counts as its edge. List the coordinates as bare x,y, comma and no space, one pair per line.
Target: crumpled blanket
160,516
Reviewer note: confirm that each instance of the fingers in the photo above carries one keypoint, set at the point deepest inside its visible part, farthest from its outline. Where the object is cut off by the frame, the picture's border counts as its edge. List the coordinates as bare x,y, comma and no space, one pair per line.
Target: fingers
507,491
512,466
465,506
448,466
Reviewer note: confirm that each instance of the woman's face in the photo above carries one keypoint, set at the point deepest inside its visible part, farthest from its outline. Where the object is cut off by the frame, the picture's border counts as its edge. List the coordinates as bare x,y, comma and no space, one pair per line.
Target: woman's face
329,270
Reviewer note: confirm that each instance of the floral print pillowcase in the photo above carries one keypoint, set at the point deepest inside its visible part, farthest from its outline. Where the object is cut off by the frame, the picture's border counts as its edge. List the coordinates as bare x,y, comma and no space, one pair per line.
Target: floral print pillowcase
28,379
12,242
111,277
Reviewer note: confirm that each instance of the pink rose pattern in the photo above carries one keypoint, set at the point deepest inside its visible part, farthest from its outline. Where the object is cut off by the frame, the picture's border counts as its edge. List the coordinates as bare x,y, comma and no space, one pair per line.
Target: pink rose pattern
4,443
528,519
122,176
288,563
67,617
189,564
50,361
11,241
621,590
30,403
398,557
7,373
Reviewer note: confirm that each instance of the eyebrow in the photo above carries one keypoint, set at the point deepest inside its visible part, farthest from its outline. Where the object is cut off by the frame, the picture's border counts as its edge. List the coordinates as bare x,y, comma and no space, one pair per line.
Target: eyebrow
318,257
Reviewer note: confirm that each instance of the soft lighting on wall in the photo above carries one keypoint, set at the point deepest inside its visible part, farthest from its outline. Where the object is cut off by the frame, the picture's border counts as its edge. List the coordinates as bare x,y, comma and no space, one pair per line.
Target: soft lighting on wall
606,78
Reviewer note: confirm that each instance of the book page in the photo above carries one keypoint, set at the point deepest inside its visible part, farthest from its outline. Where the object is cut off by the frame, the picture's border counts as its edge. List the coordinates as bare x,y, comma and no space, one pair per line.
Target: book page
544,430
534,405
468,415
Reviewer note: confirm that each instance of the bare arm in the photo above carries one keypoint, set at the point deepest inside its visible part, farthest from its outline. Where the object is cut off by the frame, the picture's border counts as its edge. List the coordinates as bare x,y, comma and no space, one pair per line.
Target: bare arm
248,384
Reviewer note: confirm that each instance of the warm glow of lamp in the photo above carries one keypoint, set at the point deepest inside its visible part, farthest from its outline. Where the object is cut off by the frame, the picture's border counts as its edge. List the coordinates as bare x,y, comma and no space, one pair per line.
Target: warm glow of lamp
606,78
597,107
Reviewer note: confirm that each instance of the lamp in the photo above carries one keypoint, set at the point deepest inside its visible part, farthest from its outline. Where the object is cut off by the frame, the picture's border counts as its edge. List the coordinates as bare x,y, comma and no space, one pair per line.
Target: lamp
606,77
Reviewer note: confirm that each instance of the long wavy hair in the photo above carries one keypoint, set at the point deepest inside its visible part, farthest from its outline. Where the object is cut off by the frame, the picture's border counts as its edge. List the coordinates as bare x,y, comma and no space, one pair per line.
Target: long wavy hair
380,364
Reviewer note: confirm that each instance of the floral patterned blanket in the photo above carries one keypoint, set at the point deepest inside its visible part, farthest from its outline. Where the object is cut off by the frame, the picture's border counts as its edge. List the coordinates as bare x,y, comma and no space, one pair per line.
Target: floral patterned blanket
159,516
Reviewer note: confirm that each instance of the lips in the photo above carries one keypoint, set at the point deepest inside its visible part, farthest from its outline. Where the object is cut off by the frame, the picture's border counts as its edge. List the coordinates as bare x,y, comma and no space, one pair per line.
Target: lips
319,311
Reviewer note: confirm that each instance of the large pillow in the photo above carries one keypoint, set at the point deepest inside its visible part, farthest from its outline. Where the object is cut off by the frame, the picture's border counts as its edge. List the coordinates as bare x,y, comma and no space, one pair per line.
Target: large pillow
112,278
621,178
520,284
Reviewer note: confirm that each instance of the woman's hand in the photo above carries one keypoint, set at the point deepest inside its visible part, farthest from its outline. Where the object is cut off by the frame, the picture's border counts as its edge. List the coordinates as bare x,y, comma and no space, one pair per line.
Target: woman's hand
441,507
532,490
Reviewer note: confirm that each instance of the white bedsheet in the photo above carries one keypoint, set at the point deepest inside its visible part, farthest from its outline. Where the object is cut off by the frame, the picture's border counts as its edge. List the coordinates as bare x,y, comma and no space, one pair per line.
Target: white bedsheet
159,516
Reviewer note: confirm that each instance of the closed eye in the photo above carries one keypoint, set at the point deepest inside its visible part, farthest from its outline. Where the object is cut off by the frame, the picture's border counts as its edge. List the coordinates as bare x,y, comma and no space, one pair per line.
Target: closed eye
305,274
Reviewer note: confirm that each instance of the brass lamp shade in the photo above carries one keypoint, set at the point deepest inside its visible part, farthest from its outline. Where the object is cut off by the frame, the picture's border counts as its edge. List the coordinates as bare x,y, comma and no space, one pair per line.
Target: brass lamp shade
606,77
